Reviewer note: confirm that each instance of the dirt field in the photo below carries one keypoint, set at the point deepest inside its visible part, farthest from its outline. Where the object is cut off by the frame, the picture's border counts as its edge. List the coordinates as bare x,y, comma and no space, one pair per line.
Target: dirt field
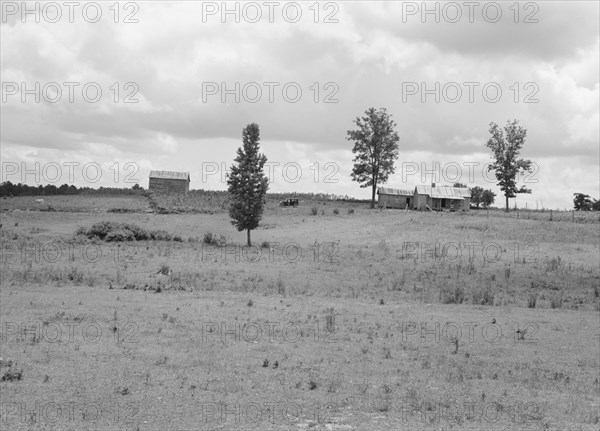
364,319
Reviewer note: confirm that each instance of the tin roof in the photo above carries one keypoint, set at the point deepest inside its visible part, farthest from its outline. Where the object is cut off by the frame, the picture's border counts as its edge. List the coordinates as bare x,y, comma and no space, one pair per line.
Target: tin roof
390,191
170,175
444,192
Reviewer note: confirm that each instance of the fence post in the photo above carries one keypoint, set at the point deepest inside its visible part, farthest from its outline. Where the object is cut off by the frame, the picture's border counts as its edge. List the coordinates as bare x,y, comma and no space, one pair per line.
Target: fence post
573,216
550,215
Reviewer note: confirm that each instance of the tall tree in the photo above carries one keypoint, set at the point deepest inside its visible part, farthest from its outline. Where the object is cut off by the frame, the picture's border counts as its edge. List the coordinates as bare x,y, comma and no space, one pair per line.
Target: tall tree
506,145
375,149
582,202
476,193
487,198
247,183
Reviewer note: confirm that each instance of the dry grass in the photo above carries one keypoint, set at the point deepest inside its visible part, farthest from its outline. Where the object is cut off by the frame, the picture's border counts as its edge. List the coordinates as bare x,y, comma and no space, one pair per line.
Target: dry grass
353,315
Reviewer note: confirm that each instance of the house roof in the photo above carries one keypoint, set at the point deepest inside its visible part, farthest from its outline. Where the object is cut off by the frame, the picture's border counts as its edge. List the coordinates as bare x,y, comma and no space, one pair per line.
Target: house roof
444,192
170,175
390,191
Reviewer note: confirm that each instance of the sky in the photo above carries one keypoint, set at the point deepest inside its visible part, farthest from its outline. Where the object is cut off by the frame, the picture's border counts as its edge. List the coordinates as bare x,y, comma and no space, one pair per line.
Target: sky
99,94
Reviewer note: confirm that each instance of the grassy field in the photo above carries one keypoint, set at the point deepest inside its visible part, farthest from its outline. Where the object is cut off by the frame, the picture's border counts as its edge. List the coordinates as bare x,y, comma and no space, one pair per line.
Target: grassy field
339,318
78,203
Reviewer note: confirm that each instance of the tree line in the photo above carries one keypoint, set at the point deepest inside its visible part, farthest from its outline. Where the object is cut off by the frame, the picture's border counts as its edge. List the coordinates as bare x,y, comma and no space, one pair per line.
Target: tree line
9,189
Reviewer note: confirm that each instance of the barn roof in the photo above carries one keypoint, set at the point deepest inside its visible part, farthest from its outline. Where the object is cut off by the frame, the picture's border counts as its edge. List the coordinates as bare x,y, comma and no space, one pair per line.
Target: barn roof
170,175
390,191
444,192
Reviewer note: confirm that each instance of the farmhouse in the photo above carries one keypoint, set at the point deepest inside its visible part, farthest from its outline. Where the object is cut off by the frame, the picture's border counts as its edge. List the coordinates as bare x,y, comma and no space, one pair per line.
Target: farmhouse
442,198
394,198
169,182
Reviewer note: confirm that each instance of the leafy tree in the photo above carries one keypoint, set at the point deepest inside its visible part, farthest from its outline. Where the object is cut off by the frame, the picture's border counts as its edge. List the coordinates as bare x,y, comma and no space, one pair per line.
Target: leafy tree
506,145
487,198
375,149
247,183
582,202
476,196
460,185
596,205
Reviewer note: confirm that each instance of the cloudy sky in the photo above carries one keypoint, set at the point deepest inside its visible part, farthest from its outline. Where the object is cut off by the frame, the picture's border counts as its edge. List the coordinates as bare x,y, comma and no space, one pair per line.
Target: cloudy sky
196,73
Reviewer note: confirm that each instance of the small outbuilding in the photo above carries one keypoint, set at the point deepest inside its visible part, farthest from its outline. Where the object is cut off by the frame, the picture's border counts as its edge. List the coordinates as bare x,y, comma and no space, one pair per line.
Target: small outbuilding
169,182
394,198
442,198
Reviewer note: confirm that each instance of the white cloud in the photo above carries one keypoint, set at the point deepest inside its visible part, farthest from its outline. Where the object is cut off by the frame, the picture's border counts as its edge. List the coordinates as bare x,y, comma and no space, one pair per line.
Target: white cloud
368,56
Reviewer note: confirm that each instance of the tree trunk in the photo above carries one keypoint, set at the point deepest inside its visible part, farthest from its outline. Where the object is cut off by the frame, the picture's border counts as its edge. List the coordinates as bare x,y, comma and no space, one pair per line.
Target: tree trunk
373,195
506,196
249,243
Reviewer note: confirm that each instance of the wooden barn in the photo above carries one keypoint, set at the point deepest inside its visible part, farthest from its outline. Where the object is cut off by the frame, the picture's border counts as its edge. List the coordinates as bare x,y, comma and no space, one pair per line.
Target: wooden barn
394,198
442,198
169,182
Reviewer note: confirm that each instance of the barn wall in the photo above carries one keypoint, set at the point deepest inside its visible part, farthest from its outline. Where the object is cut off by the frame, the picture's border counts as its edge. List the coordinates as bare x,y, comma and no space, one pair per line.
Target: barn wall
168,186
393,201
420,201
466,204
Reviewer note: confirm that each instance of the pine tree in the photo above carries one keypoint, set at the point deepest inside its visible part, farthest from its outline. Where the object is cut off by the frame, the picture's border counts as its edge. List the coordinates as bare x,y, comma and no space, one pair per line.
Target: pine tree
247,183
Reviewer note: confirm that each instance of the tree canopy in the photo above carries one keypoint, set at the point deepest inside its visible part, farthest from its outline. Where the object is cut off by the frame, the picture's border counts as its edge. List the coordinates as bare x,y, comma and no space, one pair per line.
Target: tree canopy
375,149
247,182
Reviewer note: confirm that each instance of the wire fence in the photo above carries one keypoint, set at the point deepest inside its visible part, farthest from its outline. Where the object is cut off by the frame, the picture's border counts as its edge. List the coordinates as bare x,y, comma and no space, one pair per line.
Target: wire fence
543,215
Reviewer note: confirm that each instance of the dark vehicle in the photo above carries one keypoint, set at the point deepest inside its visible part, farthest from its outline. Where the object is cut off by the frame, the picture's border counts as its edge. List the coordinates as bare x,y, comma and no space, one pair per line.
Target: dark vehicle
289,203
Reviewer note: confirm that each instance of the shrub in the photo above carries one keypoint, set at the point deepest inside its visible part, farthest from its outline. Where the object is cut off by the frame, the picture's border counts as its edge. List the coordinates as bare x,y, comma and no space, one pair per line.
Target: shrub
336,211
75,276
177,238
164,269
532,300
314,211
119,235
351,211
160,235
557,301
12,376
112,232
210,239
264,244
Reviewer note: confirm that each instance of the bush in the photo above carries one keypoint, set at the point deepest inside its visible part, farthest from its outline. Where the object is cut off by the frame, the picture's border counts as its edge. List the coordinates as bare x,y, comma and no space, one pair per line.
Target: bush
336,211
264,244
314,211
164,269
117,232
119,235
75,276
351,211
210,239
